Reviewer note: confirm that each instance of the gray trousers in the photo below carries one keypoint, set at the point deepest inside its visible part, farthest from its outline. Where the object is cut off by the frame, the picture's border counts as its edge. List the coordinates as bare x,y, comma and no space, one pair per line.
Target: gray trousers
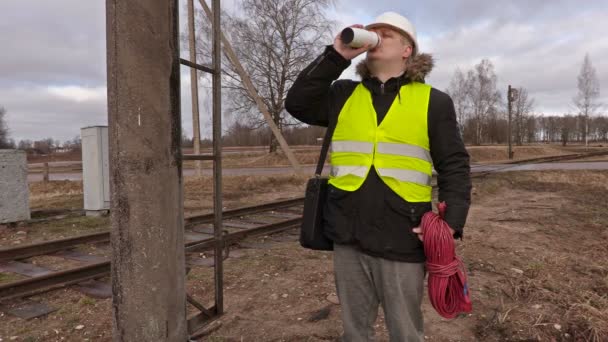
363,282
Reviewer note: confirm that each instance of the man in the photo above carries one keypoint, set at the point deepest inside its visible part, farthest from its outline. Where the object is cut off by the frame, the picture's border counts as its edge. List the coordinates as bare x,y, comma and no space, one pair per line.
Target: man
390,131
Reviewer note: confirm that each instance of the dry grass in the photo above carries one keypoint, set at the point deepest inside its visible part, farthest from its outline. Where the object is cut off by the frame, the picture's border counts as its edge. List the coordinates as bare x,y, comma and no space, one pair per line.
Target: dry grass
588,317
54,189
194,185
587,178
305,156
552,227
241,191
542,181
480,154
198,191
56,195
54,229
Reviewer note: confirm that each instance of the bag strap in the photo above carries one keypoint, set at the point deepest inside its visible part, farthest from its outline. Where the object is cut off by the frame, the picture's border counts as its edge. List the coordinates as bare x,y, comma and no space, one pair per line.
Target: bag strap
331,126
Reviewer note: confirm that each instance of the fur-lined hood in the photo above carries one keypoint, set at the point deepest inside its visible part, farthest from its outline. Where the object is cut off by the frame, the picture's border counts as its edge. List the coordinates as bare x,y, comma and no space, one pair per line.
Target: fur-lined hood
417,68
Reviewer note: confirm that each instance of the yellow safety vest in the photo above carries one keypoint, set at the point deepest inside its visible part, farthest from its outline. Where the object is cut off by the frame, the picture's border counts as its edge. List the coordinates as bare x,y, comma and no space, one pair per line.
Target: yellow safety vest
398,148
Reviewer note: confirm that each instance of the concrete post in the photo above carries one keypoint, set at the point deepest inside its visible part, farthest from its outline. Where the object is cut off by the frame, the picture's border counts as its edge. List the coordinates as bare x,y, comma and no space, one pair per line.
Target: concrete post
148,266
14,192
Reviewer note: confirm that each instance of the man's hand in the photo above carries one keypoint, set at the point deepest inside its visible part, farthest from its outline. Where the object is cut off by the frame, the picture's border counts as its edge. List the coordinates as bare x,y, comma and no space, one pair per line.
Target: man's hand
346,51
418,230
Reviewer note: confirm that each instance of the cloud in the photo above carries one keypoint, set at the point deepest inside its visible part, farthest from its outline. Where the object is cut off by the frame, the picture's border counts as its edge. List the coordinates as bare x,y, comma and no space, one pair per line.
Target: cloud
53,61
40,111
538,45
78,94
544,57
58,42
54,69
36,112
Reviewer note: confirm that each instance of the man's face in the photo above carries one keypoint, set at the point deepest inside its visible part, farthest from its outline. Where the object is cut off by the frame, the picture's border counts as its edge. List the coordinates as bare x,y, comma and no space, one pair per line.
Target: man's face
393,46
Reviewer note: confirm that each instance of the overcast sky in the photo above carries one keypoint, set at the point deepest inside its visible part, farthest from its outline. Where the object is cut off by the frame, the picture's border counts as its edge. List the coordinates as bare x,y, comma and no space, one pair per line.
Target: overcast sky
52,65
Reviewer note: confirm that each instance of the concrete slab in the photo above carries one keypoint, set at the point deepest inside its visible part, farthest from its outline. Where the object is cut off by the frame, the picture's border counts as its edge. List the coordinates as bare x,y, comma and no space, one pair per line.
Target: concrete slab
14,191
28,310
28,270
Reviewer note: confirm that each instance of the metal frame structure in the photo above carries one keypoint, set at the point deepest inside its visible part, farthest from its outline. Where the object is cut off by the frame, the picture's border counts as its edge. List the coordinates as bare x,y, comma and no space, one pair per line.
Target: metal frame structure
206,315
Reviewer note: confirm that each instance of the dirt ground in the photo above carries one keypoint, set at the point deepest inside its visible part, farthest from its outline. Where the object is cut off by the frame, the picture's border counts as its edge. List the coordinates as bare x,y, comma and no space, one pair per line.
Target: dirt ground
498,153
535,247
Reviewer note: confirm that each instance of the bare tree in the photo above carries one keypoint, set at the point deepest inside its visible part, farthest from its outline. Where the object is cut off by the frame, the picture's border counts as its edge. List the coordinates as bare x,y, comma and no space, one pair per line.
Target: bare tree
186,141
601,126
494,127
531,128
73,145
4,140
459,91
44,146
567,128
483,95
549,128
274,40
241,134
25,145
588,93
522,107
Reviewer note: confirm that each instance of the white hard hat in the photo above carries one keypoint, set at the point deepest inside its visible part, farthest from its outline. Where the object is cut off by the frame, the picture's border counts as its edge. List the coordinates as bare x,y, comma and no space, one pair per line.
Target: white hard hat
397,22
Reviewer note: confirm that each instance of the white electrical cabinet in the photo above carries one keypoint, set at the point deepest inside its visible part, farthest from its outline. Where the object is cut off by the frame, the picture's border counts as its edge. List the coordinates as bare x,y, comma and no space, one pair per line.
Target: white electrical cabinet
95,170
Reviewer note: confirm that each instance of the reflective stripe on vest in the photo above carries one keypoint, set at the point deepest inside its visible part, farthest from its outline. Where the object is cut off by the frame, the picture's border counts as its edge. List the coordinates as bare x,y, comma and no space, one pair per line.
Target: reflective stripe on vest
339,171
405,150
399,174
352,146
398,148
406,176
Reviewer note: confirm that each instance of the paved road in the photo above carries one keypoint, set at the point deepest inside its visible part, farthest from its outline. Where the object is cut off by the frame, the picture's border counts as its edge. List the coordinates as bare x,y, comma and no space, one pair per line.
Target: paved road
602,165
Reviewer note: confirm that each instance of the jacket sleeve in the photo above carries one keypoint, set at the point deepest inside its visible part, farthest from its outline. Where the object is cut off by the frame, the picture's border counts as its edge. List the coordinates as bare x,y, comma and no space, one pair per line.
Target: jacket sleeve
310,97
450,160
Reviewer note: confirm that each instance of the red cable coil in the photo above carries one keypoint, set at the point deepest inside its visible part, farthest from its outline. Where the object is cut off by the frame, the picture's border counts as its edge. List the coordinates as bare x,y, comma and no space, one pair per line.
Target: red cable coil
447,283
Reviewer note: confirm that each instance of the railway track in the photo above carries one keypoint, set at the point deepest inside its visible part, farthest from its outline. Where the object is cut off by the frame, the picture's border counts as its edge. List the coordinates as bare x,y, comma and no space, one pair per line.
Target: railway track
238,224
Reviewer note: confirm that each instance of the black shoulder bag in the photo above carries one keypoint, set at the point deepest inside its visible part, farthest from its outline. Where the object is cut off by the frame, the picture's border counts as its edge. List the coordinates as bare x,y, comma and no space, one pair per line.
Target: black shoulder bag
311,233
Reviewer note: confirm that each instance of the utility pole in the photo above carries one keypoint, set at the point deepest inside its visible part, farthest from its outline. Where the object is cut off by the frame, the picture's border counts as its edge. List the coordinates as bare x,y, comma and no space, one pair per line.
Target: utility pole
147,234
196,127
512,95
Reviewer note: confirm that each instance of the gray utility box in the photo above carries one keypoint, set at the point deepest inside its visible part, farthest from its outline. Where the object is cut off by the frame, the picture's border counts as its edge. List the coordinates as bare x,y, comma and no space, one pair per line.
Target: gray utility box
95,170
14,191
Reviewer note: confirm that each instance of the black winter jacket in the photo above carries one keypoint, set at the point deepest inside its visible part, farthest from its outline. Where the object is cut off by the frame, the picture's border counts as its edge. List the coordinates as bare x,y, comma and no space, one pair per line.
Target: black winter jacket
375,218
